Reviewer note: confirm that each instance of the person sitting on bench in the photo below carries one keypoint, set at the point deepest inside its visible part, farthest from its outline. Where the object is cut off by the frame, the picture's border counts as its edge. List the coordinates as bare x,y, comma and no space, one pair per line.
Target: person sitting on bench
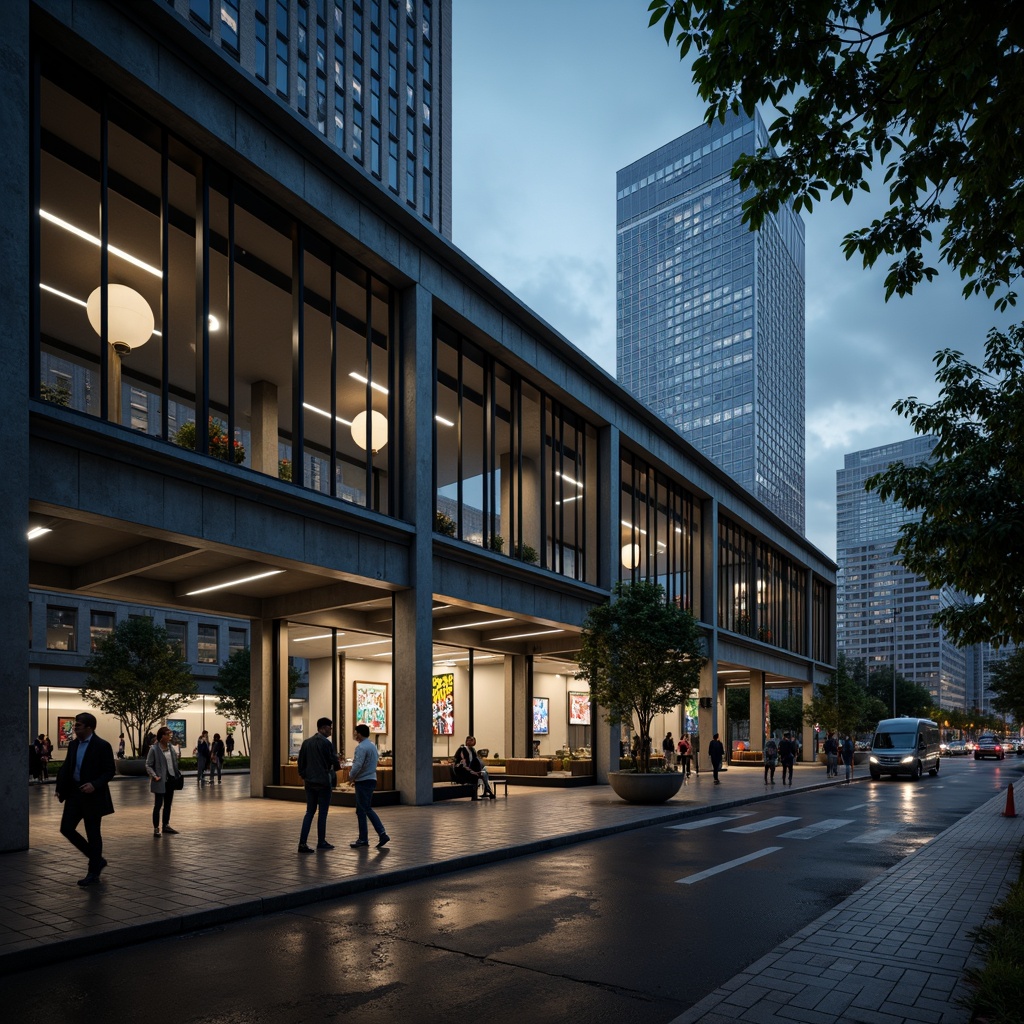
470,769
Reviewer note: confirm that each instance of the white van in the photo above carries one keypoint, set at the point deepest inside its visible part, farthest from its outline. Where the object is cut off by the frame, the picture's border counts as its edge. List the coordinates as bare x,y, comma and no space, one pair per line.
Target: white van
905,746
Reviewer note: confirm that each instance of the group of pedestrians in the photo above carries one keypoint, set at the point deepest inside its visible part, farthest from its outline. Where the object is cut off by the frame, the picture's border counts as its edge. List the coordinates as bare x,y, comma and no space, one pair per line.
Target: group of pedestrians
836,749
210,757
39,753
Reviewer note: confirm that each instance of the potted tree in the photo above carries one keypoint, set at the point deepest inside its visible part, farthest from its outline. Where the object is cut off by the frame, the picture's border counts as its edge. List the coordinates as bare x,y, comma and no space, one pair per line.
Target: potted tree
138,677
641,656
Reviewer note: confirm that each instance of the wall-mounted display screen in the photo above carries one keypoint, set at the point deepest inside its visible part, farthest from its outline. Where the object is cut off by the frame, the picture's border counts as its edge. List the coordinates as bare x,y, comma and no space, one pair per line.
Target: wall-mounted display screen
579,708
541,716
444,704
371,706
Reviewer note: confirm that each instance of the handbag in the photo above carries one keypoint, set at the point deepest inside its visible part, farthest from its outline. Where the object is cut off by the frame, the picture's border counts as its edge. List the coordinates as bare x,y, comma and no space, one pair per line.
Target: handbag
177,781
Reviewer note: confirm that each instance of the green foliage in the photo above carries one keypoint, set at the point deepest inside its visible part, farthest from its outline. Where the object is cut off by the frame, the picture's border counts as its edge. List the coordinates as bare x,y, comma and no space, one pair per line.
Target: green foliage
526,554
57,393
839,705
923,91
641,657
138,677
233,688
1007,686
496,543
970,496
787,713
444,524
185,437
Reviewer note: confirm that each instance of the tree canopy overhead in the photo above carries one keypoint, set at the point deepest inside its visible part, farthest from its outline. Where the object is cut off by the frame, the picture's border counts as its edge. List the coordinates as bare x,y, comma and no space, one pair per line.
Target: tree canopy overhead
930,92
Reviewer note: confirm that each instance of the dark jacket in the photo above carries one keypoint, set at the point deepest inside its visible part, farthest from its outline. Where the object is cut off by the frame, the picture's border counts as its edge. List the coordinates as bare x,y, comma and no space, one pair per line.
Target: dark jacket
317,760
467,763
97,768
716,751
787,751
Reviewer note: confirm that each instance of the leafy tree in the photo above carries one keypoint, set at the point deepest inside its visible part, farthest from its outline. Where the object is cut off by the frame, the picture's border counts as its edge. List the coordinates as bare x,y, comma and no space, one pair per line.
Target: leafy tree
839,705
641,657
1007,684
926,91
787,713
138,677
912,699
233,687
970,495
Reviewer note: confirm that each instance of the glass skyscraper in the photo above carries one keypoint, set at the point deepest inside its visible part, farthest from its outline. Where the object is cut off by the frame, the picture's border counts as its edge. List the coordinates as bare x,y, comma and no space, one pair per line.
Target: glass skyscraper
884,611
710,330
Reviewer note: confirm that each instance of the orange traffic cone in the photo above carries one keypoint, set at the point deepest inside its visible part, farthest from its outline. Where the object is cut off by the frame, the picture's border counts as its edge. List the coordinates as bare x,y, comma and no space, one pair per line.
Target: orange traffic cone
1010,811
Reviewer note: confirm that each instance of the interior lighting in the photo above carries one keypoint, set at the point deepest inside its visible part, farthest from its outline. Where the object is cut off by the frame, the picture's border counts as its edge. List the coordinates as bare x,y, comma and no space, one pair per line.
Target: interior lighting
60,294
522,636
440,419
630,526
567,500
325,413
38,531
234,583
319,636
94,240
362,380
130,320
473,625
568,479
370,432
631,555
368,643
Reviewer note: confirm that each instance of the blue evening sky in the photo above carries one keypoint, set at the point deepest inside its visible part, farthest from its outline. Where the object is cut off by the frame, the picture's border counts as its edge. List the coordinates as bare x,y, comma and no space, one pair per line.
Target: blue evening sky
550,99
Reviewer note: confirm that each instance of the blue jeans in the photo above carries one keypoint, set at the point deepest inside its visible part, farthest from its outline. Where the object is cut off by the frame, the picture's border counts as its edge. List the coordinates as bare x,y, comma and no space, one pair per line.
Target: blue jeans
364,797
318,798
832,761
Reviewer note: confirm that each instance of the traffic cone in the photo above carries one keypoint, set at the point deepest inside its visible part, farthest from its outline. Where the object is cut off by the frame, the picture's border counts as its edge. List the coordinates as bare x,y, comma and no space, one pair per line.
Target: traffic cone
1010,811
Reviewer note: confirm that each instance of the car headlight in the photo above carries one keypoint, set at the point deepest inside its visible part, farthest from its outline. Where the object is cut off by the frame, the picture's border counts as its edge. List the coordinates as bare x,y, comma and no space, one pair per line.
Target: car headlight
872,759
907,760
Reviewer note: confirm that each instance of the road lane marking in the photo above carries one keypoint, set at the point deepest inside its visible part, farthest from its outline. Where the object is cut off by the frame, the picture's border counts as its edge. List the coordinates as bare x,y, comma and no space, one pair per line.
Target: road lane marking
701,875
854,807
760,826
878,835
817,829
710,821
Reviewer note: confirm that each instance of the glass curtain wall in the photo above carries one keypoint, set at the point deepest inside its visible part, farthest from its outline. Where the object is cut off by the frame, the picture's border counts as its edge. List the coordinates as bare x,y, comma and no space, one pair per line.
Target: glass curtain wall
760,593
821,623
659,532
515,471
174,300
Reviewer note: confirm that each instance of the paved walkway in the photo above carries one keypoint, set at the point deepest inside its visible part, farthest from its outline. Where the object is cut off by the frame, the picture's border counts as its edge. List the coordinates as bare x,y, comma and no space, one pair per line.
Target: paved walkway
236,858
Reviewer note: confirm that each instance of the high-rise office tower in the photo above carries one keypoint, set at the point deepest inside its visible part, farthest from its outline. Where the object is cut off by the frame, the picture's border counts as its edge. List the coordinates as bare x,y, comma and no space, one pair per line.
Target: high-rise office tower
710,330
883,611
372,77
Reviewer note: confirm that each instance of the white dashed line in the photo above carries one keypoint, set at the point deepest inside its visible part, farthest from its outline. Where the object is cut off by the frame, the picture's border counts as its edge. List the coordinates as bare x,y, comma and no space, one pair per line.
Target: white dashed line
701,875
687,825
819,828
760,826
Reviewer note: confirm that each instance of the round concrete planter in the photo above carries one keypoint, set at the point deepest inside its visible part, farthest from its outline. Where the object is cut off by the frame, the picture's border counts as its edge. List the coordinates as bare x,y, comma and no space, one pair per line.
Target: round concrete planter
130,766
637,788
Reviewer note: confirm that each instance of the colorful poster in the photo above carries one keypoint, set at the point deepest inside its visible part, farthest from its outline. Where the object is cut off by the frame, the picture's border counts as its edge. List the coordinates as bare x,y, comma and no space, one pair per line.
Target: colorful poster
65,732
444,704
540,716
178,731
579,708
371,706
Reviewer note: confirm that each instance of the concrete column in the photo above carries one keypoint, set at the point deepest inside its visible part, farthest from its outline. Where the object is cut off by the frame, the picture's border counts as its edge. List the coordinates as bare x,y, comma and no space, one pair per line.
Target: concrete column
261,715
807,731
14,378
606,737
518,734
757,711
263,429
709,718
413,620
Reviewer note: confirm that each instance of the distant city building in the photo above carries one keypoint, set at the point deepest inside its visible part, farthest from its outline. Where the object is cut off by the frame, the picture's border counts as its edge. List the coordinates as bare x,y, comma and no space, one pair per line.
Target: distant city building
983,659
371,77
883,611
710,327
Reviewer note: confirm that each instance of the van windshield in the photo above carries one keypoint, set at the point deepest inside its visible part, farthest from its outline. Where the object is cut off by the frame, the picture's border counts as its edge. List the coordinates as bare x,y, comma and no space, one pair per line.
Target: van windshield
894,740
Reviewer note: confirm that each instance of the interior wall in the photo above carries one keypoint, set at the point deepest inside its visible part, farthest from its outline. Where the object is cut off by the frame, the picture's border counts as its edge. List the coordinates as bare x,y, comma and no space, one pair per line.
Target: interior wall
365,671
489,707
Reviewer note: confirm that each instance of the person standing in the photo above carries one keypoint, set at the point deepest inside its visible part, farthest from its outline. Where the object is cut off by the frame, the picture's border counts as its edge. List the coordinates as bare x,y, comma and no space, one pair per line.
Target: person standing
363,776
120,745
318,765
684,756
216,757
471,769
229,744
771,759
164,775
202,753
668,748
83,788
787,755
716,752
848,755
831,755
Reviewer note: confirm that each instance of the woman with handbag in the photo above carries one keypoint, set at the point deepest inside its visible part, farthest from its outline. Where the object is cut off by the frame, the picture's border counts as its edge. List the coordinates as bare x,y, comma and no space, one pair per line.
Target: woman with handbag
165,780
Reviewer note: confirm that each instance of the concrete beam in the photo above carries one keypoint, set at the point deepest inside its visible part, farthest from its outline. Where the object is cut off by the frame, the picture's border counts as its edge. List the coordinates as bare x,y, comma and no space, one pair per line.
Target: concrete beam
148,555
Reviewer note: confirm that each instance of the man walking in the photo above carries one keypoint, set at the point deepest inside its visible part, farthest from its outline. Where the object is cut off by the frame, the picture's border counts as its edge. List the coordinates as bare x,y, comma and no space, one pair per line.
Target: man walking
716,752
83,788
848,755
363,775
787,755
318,766
831,756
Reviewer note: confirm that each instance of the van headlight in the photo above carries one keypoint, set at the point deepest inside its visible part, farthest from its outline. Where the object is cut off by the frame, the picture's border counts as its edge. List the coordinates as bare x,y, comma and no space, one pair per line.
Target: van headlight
872,759
907,760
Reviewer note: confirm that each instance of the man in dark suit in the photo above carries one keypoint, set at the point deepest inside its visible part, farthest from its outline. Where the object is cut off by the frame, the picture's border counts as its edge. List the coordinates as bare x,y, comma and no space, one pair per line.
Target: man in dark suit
82,787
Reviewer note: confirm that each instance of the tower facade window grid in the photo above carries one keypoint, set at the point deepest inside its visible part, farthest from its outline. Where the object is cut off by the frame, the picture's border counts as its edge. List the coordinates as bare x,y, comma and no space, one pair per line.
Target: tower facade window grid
372,77
884,611
710,316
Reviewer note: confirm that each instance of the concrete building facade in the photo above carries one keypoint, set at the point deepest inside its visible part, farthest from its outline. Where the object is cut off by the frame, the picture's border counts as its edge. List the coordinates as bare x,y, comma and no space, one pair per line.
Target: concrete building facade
245,381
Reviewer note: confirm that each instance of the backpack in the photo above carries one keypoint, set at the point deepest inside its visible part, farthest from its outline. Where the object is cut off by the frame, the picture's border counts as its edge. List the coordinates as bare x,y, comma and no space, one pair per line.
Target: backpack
771,752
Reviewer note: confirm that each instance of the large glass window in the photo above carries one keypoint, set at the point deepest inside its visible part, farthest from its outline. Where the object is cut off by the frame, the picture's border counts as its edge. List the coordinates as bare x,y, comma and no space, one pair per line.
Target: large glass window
61,624
249,339
515,470
207,645
177,636
101,625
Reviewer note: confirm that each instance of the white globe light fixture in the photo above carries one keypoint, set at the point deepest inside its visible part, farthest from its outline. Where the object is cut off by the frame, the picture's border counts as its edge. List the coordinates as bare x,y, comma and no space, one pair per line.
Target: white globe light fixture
631,555
370,431
130,321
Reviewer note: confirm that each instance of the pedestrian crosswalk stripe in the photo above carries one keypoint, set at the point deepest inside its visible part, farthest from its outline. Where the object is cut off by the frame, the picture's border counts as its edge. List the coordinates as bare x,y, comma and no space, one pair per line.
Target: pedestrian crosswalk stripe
759,826
817,829
687,825
878,835
718,869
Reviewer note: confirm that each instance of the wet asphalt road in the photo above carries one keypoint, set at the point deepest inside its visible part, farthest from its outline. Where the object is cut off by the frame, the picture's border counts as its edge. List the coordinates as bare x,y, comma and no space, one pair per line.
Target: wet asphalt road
635,927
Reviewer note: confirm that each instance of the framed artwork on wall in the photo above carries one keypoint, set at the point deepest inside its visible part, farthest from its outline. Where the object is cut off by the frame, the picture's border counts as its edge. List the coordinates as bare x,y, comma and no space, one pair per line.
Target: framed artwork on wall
579,708
541,714
65,732
444,704
179,733
370,704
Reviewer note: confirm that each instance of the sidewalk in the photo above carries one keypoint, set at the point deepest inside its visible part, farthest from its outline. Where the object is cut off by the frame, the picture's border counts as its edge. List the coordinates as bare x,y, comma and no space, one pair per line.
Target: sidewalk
893,952
235,858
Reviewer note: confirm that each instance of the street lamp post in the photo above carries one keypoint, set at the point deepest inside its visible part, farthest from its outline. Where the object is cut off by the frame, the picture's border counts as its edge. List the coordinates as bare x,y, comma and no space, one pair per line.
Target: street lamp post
895,617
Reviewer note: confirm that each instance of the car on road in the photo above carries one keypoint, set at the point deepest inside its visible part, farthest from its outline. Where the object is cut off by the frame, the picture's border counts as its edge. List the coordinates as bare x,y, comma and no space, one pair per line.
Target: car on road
989,746
956,748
